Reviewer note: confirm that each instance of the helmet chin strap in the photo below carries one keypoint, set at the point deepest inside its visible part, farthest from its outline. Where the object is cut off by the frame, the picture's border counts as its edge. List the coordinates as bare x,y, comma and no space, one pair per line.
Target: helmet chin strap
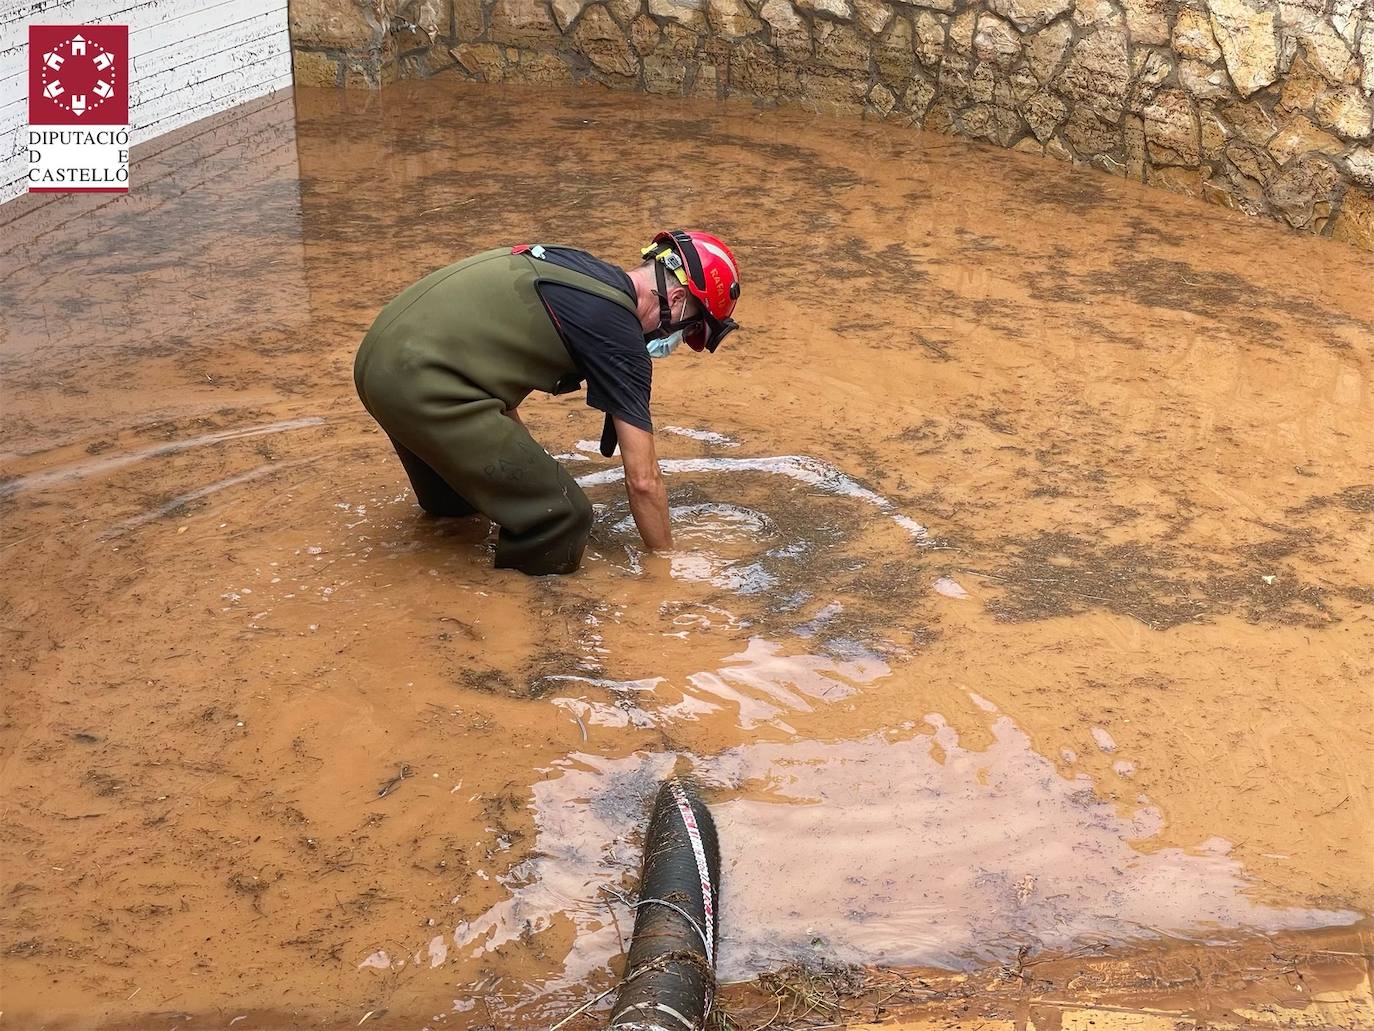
665,311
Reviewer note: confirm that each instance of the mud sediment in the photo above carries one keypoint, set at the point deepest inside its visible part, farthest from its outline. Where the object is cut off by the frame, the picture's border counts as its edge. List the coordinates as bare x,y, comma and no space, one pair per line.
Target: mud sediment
227,627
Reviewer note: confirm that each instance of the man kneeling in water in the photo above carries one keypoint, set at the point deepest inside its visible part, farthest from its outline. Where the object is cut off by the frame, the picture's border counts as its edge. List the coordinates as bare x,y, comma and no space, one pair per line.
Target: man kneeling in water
445,366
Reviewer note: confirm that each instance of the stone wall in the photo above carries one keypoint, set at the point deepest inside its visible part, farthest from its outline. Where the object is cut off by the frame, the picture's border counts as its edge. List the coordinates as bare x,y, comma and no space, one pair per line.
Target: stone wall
369,43
1262,105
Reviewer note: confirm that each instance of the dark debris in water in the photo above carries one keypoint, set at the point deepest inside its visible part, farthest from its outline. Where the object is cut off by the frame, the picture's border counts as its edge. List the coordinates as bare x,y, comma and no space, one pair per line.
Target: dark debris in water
1061,574
1178,286
829,995
1057,574
486,680
1358,498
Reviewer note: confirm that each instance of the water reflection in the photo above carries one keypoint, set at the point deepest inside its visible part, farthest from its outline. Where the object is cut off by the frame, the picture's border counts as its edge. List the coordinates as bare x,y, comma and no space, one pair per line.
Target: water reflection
758,685
902,847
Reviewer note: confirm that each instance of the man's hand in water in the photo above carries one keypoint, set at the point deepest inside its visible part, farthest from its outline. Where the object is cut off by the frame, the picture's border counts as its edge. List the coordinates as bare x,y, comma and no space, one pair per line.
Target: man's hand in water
644,486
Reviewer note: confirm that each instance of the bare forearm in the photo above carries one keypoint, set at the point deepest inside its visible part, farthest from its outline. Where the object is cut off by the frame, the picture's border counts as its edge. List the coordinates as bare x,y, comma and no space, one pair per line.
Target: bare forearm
644,485
649,506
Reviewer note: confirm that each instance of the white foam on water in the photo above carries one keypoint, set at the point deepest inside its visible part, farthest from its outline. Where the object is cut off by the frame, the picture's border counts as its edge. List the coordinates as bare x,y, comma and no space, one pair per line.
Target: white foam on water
705,436
949,587
802,468
438,951
1104,740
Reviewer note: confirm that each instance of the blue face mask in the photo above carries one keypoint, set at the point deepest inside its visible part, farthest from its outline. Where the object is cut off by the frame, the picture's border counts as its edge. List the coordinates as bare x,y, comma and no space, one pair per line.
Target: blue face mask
661,347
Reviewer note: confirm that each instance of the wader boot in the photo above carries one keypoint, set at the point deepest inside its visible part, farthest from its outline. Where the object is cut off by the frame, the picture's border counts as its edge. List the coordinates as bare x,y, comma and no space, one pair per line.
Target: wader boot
438,369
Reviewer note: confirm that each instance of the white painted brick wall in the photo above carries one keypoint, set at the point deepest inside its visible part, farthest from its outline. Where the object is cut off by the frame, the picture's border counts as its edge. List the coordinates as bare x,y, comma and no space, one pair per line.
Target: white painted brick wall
187,59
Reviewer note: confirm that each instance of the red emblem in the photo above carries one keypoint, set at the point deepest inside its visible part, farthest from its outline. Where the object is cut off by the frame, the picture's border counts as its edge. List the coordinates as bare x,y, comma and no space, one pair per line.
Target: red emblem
78,75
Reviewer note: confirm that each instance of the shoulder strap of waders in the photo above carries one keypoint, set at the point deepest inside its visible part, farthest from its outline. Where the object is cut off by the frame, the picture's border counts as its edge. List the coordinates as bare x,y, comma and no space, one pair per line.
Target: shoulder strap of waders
546,271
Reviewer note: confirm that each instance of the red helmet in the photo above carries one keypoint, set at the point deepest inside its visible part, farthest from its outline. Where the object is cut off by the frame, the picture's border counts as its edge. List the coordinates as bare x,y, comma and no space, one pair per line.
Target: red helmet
705,266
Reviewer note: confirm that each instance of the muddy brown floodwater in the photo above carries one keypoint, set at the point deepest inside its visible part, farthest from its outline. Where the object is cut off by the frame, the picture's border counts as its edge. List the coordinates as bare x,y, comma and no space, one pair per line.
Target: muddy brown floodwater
1020,627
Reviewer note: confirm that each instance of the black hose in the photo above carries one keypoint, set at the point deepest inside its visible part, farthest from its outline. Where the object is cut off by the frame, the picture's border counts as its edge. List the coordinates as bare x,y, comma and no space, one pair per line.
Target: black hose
670,978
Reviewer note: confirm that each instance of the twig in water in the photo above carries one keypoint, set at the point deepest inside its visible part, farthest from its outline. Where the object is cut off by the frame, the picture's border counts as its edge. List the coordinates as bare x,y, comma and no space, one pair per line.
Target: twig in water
615,921
979,572
451,204
769,1022
653,965
1342,802
394,782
